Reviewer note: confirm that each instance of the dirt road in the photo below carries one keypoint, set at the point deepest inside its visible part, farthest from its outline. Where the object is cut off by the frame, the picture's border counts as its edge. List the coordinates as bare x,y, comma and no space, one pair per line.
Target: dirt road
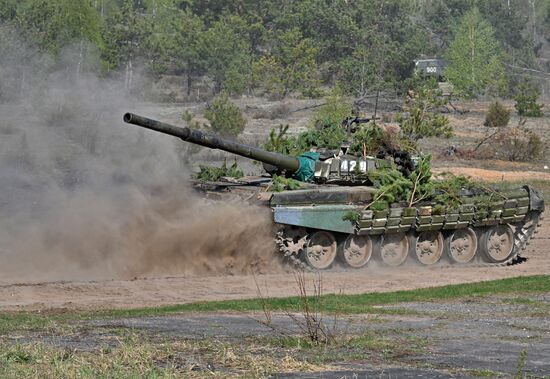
144,292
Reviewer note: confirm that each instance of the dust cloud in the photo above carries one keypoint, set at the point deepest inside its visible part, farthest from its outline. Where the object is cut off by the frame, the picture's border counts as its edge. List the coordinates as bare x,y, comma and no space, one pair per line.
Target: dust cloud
84,197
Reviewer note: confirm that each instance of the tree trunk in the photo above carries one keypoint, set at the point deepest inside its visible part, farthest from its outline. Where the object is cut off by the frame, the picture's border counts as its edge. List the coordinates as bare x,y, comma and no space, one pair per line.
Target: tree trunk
472,55
533,3
23,82
129,75
189,82
80,58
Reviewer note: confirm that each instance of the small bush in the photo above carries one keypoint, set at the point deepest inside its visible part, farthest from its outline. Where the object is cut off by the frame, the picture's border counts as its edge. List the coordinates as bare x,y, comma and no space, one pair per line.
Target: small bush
225,117
497,115
333,112
189,118
526,102
516,144
279,111
331,137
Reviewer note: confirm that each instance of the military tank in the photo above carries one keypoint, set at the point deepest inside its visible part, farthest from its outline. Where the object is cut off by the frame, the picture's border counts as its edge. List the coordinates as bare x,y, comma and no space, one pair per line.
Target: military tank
331,219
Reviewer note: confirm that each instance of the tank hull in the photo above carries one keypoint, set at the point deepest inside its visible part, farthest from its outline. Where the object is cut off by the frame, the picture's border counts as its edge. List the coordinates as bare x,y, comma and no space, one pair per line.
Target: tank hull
494,234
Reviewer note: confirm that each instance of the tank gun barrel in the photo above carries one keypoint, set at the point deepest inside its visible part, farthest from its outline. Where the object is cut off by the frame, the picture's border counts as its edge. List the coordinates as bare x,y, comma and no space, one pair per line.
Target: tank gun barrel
198,137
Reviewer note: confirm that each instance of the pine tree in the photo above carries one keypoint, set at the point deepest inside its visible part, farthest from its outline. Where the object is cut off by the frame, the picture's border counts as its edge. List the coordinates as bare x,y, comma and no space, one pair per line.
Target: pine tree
290,66
475,58
126,31
177,43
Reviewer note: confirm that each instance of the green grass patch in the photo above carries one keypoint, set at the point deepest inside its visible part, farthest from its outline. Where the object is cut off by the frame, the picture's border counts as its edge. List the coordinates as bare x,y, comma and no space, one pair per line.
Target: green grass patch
30,321
526,301
355,304
349,347
485,373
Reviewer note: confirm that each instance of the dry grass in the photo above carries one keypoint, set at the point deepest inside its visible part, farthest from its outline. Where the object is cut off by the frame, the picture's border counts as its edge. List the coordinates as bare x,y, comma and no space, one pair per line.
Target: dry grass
136,357
469,131
312,323
310,318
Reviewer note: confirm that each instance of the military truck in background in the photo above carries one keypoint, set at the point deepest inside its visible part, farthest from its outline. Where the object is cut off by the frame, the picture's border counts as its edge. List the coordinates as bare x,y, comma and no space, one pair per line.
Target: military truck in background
434,67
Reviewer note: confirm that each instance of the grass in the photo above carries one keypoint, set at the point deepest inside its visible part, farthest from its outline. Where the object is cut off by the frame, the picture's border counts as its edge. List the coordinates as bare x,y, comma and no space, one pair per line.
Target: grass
534,308
369,303
136,356
371,340
356,304
368,345
482,373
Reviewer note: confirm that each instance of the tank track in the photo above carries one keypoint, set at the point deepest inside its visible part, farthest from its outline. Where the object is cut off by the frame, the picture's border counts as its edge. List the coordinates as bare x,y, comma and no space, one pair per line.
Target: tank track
292,244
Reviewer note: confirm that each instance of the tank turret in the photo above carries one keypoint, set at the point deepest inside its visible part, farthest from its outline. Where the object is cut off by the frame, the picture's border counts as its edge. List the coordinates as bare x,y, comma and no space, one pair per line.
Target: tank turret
308,167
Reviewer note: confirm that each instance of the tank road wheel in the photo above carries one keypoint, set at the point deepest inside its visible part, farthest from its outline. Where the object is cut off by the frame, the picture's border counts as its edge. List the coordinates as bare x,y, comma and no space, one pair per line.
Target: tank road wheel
357,250
428,247
394,248
497,243
321,250
461,245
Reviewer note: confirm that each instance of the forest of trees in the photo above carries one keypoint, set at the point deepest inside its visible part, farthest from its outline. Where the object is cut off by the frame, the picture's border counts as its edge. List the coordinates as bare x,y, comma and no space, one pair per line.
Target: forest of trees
280,47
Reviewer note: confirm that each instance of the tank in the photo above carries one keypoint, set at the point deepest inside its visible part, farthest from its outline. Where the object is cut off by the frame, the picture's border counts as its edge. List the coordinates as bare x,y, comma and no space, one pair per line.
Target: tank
330,221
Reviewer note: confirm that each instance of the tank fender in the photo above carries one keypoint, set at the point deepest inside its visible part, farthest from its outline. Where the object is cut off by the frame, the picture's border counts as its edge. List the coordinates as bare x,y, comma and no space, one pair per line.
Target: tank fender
536,199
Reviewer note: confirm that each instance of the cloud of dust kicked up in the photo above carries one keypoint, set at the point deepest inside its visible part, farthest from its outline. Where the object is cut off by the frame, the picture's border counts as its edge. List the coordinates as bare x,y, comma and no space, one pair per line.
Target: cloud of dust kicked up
83,197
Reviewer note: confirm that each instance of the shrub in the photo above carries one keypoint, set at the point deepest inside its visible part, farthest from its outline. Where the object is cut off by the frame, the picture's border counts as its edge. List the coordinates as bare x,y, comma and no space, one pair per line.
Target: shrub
421,119
526,102
225,117
189,118
269,72
497,115
516,144
335,110
279,111
331,137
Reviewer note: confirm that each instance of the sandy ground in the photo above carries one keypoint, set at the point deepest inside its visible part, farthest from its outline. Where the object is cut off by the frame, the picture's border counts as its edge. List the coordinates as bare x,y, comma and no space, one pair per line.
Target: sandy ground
145,292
